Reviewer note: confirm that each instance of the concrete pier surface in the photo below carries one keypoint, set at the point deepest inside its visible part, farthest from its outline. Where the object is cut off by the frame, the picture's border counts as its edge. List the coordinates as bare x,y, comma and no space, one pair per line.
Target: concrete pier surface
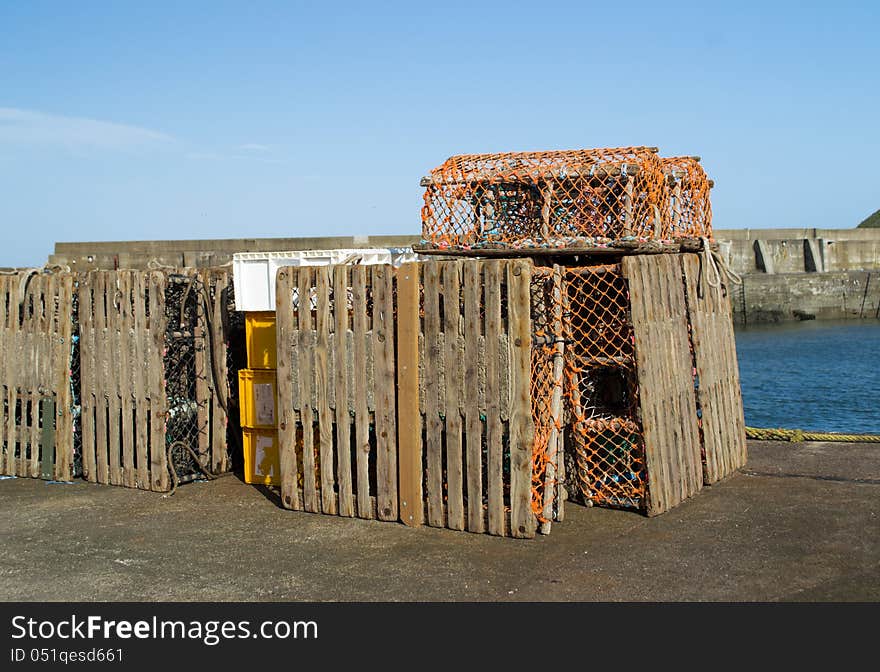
798,523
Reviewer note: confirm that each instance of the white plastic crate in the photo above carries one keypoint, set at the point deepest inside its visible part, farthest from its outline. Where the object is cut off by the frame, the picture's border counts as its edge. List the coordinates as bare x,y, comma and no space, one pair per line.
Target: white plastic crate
254,272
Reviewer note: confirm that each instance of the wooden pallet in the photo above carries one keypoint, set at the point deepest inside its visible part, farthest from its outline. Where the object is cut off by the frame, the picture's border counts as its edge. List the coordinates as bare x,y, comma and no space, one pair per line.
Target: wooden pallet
388,388
123,340
718,391
36,425
666,385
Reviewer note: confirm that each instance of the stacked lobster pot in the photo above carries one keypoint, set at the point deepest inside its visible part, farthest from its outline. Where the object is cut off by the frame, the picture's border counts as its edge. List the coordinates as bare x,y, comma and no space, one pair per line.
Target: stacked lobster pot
634,387
119,377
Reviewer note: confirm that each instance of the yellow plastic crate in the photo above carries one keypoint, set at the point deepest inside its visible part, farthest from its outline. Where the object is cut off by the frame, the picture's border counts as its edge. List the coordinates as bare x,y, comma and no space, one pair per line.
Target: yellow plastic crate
259,332
257,399
261,461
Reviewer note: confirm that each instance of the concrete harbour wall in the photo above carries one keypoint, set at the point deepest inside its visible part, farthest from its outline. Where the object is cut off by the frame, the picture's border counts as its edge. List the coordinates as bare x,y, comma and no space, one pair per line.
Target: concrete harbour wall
201,253
800,250
786,297
796,274
788,274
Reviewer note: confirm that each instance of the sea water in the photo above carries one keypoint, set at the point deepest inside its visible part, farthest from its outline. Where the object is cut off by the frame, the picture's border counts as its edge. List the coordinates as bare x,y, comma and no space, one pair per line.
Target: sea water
812,375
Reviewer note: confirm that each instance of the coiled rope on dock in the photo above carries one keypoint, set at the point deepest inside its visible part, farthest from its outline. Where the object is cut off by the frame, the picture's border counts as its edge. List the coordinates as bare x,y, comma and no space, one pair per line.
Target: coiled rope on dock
798,435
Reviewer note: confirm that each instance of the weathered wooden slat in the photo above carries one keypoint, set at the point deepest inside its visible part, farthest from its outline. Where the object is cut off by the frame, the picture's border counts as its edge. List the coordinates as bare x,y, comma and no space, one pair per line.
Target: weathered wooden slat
114,380
691,469
664,357
18,383
385,420
340,383
159,476
21,384
27,364
715,409
651,414
51,383
4,370
473,425
23,377
666,389
219,374
454,380
45,384
47,439
305,278
102,384
26,377
361,381
492,278
213,347
202,364
409,435
88,402
142,363
14,359
522,429
35,353
434,365
322,387
711,393
63,420
111,380
670,465
727,413
284,321
10,366
712,337
125,377
731,408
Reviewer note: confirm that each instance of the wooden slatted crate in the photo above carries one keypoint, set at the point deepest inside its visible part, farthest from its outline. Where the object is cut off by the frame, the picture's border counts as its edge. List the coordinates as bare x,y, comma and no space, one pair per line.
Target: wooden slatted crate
413,394
149,368
446,447
36,346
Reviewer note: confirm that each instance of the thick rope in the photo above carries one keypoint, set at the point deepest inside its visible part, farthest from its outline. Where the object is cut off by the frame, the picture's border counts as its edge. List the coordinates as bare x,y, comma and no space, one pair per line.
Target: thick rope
156,265
798,435
717,270
28,273
175,479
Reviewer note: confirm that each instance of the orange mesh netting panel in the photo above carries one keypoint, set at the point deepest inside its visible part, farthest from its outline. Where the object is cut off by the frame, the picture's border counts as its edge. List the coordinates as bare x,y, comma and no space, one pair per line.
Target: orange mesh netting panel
601,388
545,199
546,379
690,208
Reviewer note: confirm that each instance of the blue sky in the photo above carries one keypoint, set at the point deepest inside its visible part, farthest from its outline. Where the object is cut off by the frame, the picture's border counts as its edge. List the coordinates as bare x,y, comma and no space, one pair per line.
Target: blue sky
130,121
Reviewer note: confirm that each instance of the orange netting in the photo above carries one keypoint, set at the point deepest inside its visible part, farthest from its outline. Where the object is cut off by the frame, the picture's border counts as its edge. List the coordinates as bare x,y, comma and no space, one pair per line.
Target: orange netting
546,386
586,310
563,198
687,187
601,388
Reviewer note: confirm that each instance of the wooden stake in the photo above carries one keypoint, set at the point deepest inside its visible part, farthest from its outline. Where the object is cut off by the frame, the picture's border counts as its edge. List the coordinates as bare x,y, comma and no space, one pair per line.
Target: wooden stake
409,418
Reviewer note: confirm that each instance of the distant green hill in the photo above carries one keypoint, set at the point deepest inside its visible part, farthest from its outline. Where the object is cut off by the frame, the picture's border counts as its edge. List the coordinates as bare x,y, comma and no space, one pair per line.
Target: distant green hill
872,222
